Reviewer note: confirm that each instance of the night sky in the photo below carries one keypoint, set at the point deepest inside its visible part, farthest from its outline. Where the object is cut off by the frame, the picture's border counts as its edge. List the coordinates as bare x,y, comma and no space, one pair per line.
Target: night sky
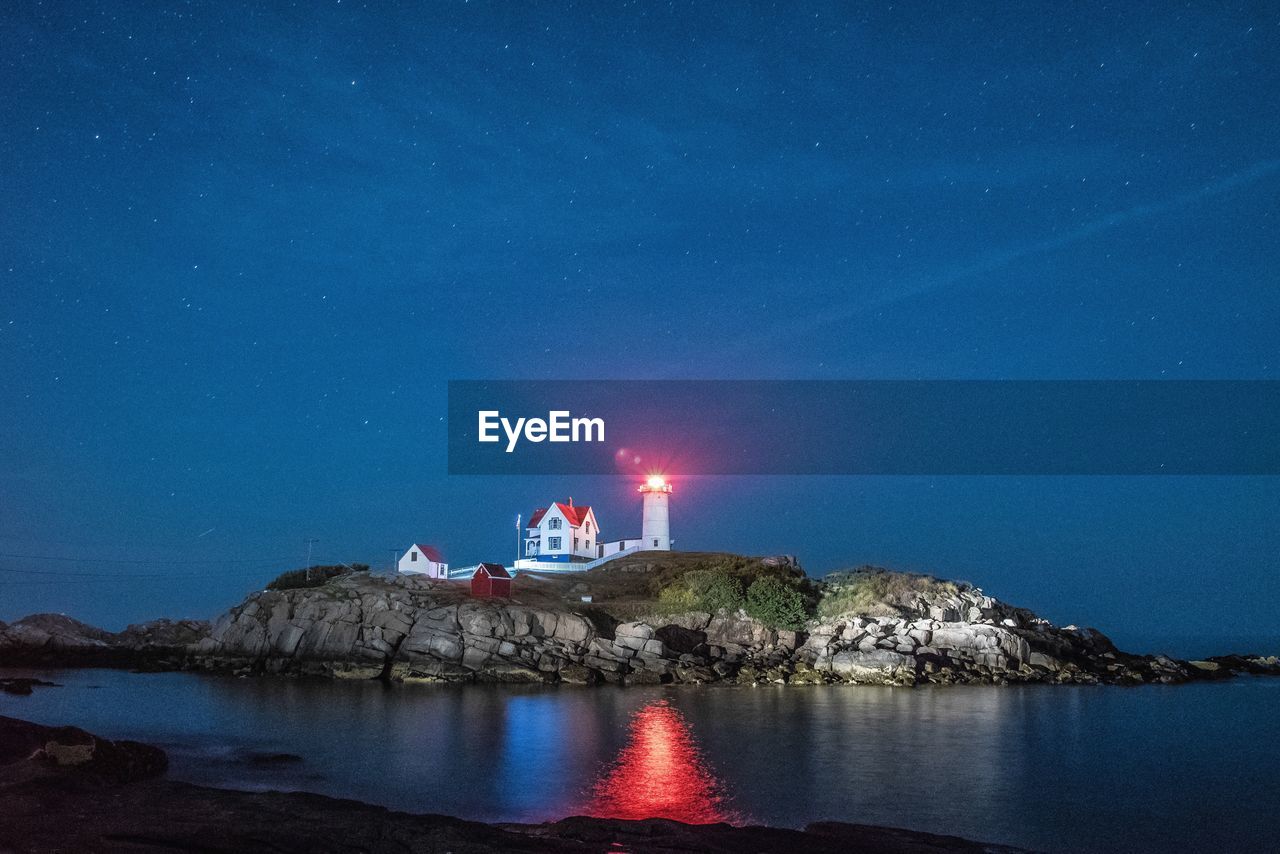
243,249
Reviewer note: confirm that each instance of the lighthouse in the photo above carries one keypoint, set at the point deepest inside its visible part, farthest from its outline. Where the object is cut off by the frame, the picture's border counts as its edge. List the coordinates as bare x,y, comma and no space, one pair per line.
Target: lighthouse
655,525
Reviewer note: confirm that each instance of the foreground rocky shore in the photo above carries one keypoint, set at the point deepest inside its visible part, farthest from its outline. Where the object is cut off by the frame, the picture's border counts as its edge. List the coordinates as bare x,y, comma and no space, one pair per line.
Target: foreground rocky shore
63,789
916,630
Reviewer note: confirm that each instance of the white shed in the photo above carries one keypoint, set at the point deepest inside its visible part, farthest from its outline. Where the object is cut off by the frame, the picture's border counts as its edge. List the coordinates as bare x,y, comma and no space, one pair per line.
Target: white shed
423,560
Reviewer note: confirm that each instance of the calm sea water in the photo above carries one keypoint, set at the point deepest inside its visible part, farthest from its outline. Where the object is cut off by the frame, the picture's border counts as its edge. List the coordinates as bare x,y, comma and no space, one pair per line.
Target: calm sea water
1054,768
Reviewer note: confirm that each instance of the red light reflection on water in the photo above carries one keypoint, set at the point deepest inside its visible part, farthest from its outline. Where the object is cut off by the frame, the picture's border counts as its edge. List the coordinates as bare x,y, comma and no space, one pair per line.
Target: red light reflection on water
660,774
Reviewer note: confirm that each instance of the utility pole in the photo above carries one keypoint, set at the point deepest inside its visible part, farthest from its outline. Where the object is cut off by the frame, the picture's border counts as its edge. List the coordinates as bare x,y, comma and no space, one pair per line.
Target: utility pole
311,541
395,553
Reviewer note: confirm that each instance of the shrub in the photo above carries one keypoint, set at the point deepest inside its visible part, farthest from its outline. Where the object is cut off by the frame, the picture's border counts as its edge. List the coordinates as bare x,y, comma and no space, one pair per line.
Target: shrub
702,590
676,600
714,590
320,575
777,603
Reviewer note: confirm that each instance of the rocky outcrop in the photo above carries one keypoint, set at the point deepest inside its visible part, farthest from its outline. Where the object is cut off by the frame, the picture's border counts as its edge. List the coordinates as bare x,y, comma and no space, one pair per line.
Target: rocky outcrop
29,751
63,789
413,629
407,629
59,640
23,686
53,633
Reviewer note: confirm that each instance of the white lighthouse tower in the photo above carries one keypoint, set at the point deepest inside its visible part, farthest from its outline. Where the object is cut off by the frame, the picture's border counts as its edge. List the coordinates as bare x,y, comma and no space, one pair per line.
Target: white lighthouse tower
655,526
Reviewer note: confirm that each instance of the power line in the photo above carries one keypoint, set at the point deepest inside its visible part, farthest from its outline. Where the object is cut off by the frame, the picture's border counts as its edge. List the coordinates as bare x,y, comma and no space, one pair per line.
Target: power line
57,574
144,561
9,583
73,577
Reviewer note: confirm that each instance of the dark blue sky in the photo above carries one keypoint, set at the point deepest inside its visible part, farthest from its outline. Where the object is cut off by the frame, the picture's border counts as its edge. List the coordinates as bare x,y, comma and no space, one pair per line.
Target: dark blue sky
243,250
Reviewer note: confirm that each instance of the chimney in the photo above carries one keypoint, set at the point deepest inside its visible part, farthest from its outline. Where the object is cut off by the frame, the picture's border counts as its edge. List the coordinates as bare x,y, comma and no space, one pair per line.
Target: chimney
570,500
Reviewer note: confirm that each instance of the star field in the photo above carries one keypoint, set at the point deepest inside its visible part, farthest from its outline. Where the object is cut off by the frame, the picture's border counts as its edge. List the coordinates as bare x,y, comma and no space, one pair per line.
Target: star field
245,245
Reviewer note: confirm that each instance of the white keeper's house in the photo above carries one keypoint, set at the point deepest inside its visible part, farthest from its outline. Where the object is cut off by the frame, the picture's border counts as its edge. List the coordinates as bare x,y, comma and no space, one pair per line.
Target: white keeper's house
423,560
566,538
562,533
563,537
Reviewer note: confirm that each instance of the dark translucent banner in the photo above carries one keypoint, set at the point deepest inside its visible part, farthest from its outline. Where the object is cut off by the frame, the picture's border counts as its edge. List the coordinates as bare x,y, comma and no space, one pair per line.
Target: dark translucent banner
714,427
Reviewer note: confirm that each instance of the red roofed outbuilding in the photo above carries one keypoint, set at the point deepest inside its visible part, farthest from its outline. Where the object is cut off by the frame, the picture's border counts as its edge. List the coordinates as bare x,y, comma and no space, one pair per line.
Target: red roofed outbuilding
491,580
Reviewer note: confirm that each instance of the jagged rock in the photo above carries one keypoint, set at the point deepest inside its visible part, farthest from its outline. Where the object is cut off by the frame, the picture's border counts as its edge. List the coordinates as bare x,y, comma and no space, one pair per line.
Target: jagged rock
164,633
980,640
788,639
644,677
414,629
62,750
738,629
577,674
1048,662
355,671
507,672
877,666
633,630
680,640
22,686
573,628
693,620
696,674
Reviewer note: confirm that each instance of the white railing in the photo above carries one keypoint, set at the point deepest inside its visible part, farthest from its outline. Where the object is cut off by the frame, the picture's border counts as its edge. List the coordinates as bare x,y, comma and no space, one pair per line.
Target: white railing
462,571
547,566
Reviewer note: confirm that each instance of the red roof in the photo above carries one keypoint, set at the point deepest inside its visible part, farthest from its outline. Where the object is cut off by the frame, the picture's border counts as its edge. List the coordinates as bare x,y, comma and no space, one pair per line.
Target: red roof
493,570
575,515
429,552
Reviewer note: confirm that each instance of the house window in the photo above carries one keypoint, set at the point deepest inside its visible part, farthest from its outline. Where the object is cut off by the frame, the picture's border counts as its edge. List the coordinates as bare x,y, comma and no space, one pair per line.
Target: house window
554,524
588,527
655,542
553,543
413,557
588,545
530,547
575,544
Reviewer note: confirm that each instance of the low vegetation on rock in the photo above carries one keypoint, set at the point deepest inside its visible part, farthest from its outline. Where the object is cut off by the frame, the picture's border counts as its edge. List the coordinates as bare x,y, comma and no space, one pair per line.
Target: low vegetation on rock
872,591
316,576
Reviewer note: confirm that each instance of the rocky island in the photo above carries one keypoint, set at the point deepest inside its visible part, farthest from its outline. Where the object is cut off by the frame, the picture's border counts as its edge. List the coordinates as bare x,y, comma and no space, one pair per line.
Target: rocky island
674,618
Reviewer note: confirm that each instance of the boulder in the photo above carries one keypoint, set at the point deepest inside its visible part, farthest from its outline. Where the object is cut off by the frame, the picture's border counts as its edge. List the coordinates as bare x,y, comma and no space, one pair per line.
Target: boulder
737,629
877,666
573,628
577,674
680,640
643,631
980,639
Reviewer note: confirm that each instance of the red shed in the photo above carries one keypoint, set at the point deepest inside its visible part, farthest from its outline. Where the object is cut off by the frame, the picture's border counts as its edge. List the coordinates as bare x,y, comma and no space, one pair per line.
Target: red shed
490,580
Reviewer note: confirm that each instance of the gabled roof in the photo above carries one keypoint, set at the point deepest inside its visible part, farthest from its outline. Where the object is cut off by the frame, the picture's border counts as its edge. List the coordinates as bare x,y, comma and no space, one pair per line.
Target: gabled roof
429,552
575,515
493,570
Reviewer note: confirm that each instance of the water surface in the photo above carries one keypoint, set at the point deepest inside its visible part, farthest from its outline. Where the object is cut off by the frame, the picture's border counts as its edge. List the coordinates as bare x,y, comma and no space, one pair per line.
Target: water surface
1054,768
